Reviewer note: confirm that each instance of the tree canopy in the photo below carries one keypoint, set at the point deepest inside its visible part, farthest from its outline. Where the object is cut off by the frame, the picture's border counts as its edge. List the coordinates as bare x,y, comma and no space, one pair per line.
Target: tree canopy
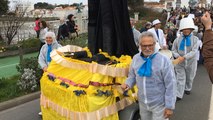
43,5
4,7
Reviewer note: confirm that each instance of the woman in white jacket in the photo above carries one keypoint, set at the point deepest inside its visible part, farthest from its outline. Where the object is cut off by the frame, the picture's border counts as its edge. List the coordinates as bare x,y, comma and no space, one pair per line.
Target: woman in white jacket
50,44
44,56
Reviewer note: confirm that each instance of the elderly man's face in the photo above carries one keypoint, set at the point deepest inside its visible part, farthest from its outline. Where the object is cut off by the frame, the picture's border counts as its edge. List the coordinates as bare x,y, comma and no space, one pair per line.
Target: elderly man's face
147,46
49,40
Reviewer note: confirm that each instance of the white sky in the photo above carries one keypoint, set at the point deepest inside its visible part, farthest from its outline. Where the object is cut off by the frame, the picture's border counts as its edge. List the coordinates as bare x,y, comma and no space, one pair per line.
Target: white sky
54,1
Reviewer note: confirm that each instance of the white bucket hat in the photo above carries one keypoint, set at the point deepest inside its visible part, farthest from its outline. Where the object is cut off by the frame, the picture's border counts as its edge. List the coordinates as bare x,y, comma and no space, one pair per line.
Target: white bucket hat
186,23
156,22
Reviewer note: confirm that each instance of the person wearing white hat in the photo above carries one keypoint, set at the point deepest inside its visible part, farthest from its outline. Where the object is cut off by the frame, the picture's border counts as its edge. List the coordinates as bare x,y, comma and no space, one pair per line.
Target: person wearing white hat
184,49
158,34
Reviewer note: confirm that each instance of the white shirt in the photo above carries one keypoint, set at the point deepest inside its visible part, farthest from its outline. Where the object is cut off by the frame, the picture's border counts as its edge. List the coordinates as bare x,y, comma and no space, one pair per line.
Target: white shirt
160,39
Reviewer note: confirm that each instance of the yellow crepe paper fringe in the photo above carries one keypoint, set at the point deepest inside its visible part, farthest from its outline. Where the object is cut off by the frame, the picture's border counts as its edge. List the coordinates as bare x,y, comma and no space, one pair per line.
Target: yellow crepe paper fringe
53,111
81,72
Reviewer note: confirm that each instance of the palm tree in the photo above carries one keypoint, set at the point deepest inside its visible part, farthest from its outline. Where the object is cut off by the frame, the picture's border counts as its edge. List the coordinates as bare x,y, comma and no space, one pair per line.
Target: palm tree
79,7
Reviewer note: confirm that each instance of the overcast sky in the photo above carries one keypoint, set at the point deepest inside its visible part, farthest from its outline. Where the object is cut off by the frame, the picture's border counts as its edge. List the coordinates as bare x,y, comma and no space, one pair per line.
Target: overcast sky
54,1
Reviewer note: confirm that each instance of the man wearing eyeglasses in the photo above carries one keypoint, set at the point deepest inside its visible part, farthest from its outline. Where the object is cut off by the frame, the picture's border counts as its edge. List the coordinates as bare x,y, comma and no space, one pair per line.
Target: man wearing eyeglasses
154,76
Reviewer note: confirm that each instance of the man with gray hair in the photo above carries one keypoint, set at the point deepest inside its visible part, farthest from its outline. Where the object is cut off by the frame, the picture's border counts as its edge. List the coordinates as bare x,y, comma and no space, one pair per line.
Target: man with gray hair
154,76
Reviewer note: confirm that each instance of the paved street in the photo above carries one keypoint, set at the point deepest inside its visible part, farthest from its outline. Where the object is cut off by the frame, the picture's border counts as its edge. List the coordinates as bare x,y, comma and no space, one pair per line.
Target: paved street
193,107
27,111
196,105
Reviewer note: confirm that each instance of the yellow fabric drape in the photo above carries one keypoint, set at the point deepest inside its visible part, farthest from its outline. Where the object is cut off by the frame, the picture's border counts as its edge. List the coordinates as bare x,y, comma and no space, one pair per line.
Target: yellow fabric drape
81,72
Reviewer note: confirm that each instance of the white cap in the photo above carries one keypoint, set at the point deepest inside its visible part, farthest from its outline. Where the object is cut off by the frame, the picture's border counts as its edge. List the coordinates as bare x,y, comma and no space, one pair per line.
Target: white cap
156,22
186,23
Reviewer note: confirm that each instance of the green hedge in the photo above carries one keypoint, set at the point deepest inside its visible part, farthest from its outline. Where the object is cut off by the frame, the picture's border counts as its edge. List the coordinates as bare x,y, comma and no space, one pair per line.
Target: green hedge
28,43
81,40
9,88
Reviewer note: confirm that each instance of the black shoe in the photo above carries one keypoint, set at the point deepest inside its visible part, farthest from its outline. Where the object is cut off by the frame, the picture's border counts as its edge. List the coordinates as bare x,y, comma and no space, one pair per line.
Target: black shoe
178,99
187,92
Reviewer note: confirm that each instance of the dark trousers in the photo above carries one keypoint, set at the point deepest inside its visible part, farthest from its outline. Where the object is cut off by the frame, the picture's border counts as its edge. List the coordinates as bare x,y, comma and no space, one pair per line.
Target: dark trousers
37,33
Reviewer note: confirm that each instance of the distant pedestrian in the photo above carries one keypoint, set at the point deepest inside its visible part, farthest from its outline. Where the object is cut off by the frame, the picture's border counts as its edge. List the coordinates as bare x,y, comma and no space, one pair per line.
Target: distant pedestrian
147,26
72,27
63,31
43,31
135,32
37,27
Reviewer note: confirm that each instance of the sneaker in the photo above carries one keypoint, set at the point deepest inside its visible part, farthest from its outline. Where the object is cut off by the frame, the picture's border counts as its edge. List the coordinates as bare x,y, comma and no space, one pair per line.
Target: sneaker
178,99
187,92
40,113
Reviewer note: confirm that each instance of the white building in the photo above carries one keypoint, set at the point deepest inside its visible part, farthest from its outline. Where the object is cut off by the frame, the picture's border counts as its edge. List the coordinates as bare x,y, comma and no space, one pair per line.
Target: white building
20,5
63,13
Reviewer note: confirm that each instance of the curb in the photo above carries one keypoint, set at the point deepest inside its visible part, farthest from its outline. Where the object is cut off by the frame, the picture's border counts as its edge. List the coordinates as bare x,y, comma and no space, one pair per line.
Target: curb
18,101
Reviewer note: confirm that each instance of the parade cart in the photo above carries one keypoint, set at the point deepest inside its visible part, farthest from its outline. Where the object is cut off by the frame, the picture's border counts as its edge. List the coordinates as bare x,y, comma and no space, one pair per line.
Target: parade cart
84,83
85,88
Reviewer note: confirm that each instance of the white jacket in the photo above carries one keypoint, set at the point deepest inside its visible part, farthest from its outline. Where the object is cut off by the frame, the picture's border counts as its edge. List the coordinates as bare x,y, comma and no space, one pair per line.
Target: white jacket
161,40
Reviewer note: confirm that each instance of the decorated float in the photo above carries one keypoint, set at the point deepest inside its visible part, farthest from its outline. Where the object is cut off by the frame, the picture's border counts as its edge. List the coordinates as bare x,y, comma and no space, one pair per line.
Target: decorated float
84,83
84,87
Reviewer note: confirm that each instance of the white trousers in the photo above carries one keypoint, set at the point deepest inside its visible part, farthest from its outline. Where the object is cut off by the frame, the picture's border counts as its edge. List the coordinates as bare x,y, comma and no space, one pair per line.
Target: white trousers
155,113
185,77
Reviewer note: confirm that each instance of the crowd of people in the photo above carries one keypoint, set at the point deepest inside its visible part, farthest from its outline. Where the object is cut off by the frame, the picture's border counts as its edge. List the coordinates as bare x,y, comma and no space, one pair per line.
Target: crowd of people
160,83
67,29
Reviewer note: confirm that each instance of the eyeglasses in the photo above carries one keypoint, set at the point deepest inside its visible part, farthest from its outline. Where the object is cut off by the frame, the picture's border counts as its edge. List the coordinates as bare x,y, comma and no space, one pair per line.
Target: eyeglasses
149,46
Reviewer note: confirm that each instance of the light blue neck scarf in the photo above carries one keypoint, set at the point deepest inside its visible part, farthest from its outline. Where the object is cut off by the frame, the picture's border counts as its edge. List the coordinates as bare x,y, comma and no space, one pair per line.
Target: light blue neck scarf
48,53
188,42
146,68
